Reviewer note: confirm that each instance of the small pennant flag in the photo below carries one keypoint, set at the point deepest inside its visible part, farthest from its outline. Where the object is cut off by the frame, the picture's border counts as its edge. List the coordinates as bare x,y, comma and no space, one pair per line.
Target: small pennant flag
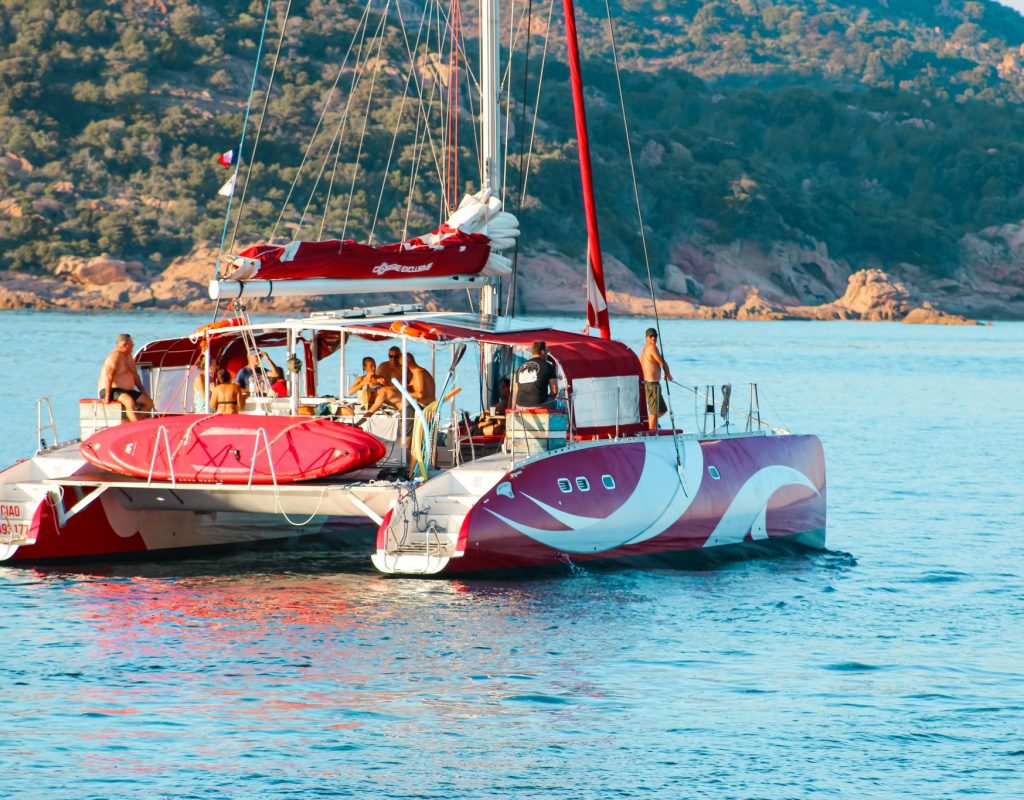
228,159
228,188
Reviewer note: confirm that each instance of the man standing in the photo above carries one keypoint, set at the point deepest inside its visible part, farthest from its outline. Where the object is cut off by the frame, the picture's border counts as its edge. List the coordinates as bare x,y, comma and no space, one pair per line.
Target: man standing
536,384
652,363
120,381
421,382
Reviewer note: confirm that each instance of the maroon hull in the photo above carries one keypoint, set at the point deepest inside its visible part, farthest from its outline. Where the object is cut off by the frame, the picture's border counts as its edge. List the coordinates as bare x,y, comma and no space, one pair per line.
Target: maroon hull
733,491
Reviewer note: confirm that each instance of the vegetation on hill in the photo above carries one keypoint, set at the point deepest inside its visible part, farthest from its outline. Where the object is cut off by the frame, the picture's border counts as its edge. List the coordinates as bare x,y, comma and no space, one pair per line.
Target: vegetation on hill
885,130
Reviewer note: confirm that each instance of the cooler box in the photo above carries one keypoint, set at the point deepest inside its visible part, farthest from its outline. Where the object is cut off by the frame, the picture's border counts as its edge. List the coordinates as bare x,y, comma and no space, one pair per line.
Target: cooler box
535,430
95,415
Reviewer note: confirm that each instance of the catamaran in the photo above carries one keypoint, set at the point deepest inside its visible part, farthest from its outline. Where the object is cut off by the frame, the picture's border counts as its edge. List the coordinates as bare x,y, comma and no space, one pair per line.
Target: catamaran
425,487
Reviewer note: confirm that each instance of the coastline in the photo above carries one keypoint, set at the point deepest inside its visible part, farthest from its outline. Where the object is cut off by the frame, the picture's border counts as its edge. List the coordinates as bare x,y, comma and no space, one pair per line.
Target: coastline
740,281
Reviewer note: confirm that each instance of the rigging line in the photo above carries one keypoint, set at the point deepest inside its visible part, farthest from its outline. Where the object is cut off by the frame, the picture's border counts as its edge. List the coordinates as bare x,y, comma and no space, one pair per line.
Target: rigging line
510,303
339,133
514,32
360,35
640,220
424,114
394,138
417,152
319,123
536,107
259,127
525,171
366,120
337,139
245,124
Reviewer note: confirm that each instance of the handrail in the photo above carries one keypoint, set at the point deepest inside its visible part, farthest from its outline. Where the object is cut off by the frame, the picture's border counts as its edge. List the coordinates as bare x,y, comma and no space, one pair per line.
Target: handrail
162,431
261,432
40,427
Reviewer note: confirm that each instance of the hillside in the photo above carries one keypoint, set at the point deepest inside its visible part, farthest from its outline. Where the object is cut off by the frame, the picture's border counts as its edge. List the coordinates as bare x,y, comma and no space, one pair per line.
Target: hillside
814,138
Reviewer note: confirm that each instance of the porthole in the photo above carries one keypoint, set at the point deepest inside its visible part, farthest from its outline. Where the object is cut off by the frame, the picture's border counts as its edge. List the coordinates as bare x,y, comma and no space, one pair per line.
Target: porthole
608,481
583,484
714,473
564,485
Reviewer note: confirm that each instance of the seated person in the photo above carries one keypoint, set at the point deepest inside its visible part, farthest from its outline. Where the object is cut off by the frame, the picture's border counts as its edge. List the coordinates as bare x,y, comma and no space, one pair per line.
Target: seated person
367,384
120,380
536,384
226,397
392,368
254,378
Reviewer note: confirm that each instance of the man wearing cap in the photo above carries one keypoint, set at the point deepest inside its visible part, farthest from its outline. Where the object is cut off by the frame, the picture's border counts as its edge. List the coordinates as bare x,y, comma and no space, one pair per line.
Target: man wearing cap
652,363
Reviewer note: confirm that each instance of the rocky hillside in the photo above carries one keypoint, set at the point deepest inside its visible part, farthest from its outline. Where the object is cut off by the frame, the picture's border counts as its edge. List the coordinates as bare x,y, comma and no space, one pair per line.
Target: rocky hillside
783,148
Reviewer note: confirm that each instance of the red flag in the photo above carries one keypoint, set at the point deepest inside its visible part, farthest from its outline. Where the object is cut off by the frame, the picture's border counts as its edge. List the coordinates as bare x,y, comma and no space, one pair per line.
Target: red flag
227,159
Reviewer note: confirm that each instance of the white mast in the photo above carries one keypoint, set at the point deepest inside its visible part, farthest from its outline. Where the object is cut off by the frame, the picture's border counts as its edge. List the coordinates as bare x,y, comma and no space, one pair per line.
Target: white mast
489,116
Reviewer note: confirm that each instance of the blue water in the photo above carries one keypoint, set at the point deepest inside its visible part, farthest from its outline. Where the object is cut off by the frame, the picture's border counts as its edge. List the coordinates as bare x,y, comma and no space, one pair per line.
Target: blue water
891,666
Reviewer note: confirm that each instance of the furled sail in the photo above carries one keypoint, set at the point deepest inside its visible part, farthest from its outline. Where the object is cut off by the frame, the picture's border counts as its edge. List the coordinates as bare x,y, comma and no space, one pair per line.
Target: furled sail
463,245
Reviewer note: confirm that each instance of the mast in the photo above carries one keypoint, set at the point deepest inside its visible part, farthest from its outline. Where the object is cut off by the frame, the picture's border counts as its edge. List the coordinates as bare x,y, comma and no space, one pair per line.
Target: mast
597,306
491,177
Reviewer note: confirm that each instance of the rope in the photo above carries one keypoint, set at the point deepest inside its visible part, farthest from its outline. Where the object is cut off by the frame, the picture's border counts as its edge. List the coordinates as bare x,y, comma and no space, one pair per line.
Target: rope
245,124
259,128
640,218
524,171
366,120
394,137
360,27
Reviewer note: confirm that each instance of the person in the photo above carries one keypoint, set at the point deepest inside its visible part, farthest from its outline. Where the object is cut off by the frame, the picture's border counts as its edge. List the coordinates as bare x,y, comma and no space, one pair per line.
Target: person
254,378
392,368
652,363
226,397
421,382
199,388
505,392
536,383
278,382
367,384
120,380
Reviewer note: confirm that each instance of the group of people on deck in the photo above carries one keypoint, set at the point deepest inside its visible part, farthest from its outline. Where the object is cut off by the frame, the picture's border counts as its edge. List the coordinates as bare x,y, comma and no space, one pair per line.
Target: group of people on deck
375,388
536,382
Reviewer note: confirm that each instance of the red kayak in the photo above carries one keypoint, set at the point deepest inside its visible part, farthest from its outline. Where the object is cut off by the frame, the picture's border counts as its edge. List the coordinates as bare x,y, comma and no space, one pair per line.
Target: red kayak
221,448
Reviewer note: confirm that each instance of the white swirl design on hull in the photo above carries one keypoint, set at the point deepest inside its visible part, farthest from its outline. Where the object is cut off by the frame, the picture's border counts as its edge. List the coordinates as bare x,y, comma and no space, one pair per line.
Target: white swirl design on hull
627,524
748,509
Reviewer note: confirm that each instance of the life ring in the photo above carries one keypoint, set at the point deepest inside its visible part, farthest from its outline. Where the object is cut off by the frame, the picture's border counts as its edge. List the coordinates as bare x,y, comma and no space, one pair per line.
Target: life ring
417,330
198,335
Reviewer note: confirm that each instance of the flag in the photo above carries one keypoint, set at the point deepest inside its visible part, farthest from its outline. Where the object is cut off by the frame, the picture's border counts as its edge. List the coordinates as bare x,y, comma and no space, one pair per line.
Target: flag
228,188
228,158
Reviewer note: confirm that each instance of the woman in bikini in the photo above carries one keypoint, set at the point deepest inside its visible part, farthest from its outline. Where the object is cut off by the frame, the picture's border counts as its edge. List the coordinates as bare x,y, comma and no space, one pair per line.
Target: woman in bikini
226,397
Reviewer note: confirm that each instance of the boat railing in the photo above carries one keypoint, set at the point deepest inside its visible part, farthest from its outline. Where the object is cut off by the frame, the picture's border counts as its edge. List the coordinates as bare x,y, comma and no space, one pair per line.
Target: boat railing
261,433
50,426
162,436
714,410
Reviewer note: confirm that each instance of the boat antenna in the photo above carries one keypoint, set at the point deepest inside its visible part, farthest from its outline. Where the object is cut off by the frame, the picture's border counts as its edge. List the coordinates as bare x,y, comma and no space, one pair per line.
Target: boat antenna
597,305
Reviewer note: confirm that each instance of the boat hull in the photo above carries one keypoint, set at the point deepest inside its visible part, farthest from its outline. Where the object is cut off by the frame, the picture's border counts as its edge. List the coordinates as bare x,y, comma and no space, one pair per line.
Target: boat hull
632,500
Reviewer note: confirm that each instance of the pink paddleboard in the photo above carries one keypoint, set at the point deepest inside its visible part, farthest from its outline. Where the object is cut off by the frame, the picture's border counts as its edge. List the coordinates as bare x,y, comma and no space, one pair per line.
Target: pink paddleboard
220,448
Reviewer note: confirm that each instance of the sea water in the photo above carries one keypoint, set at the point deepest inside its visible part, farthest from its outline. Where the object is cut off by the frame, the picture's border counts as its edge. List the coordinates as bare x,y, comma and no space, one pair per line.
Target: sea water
889,666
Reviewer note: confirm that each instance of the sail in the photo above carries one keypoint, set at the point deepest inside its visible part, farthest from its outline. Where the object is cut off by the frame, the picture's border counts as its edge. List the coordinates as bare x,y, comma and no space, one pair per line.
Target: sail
463,246
457,253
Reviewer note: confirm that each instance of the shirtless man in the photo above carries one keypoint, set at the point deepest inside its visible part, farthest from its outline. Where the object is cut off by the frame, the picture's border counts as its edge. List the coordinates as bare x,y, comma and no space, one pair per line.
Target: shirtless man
392,368
652,363
421,382
119,380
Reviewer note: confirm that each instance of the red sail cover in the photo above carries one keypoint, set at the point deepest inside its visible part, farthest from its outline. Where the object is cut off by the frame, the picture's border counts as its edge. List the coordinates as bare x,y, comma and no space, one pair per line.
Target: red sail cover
457,254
